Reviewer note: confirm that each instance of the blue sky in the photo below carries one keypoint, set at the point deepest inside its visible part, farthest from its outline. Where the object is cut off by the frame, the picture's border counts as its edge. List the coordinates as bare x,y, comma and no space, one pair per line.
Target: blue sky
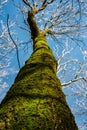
8,74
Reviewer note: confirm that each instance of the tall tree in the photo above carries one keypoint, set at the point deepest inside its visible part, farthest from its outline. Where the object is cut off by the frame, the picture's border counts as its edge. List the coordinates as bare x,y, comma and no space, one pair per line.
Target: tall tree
36,100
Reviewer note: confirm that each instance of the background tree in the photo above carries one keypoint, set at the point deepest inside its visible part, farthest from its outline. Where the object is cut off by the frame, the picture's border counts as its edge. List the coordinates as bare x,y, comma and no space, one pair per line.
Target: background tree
66,20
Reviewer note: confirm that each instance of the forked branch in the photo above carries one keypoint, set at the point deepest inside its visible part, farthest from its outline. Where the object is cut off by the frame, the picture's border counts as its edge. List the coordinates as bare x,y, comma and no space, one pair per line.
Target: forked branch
45,4
27,3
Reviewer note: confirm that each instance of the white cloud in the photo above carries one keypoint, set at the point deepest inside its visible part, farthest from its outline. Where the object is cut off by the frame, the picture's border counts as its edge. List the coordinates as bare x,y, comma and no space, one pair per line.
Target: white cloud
4,85
85,52
3,73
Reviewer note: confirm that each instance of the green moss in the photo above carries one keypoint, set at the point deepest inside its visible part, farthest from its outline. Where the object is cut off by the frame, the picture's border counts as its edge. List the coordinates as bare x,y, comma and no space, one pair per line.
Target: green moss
36,101
39,42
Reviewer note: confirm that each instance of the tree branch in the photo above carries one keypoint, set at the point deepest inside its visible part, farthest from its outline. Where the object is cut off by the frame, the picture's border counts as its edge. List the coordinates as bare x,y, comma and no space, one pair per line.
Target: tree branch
27,3
71,81
33,25
45,4
13,41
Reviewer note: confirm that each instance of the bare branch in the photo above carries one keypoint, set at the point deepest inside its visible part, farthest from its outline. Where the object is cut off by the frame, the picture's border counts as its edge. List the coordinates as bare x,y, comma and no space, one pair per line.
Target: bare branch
71,81
27,3
45,4
16,47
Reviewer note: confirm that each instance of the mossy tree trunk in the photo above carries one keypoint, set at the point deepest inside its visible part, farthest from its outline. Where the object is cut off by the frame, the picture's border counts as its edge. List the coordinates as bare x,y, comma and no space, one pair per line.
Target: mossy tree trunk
36,101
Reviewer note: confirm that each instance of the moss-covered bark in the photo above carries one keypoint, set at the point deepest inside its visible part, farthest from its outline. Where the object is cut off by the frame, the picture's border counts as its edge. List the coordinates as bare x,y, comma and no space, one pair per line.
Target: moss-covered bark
36,101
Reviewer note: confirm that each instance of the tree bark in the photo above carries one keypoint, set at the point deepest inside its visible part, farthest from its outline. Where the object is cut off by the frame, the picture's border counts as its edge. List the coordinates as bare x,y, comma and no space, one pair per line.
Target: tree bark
36,101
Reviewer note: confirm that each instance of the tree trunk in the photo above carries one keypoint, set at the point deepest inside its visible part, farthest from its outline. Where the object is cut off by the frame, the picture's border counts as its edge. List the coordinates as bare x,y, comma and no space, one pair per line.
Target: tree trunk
36,101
